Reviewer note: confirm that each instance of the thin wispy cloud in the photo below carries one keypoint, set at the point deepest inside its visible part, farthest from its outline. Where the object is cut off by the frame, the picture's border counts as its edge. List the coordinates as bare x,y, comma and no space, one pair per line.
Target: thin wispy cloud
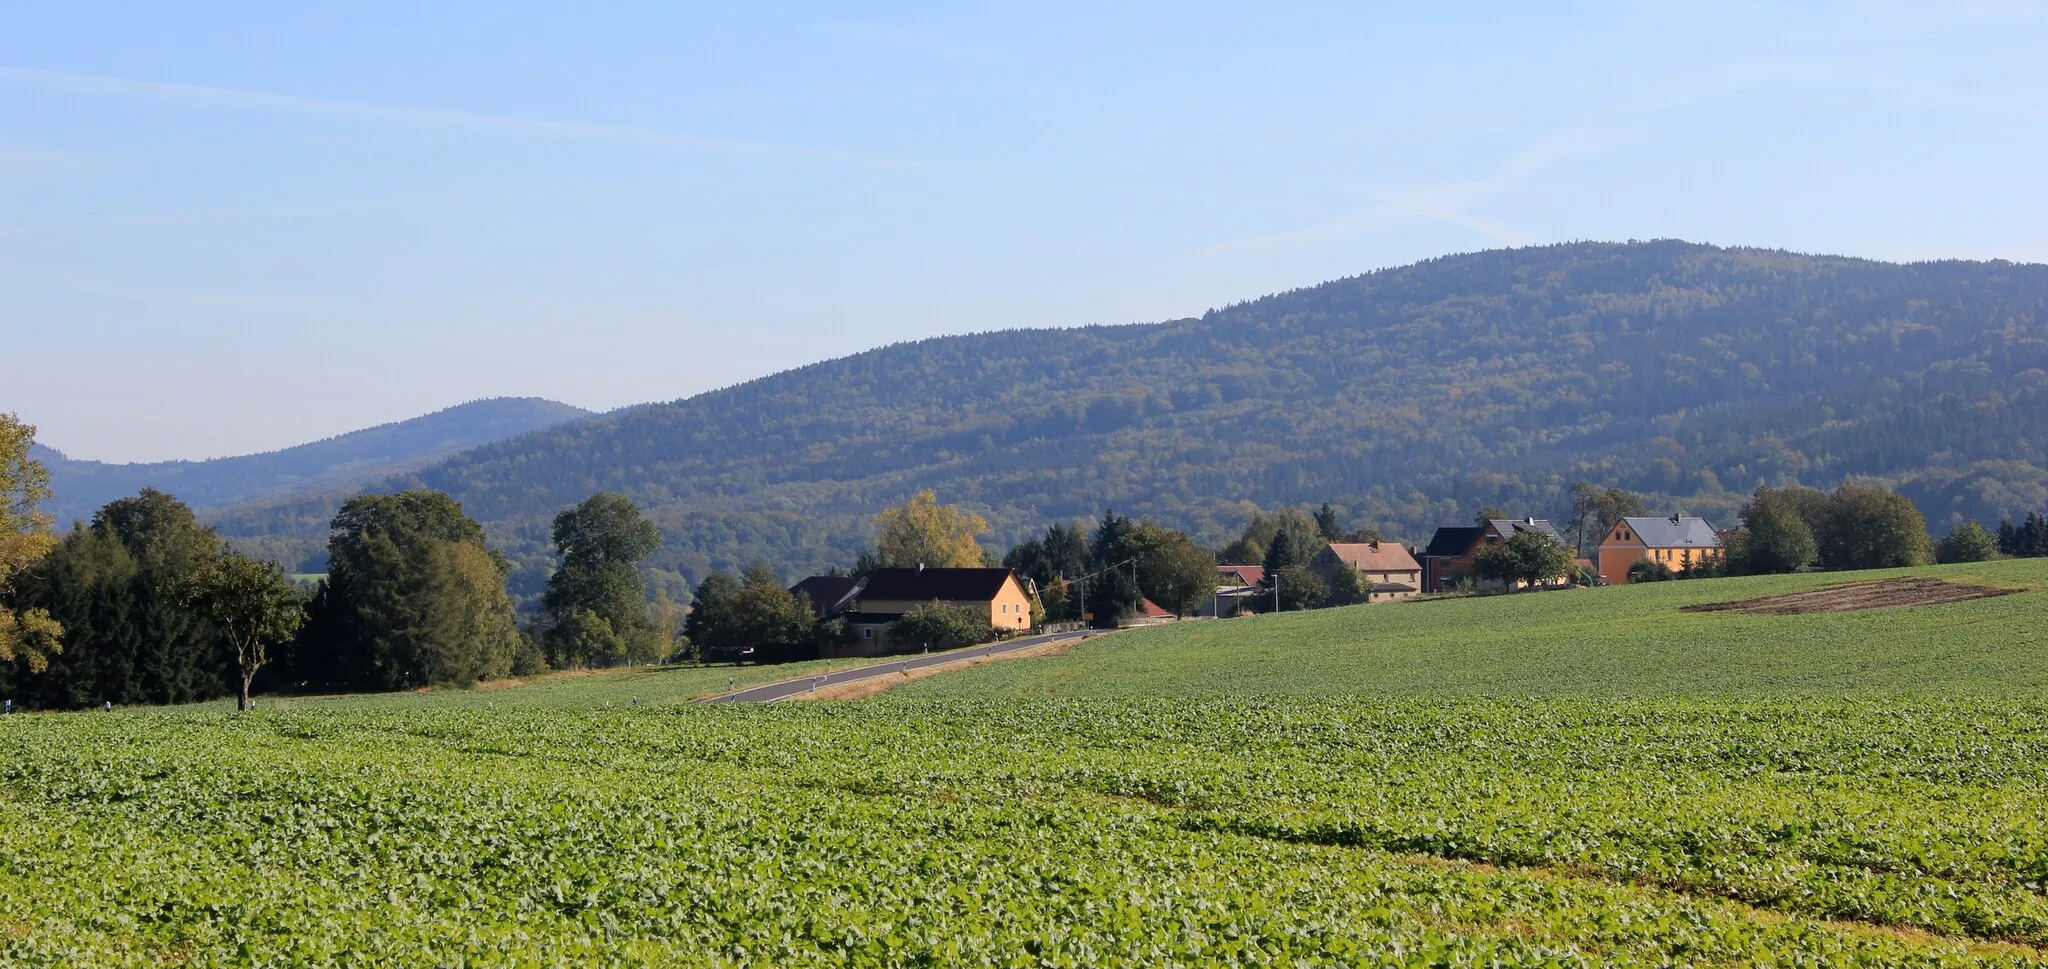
442,118
1455,203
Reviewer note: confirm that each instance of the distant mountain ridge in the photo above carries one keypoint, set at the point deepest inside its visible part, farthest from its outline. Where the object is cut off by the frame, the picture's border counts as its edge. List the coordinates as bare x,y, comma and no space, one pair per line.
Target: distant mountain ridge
1410,396
341,462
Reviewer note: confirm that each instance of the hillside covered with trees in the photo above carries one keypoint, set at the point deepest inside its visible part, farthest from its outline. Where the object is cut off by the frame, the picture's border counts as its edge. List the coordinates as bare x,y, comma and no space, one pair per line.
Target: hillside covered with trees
337,464
1409,397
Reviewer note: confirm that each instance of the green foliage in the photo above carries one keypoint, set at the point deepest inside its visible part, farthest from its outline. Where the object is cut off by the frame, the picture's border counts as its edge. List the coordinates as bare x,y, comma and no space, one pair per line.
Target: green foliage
413,597
922,532
712,623
119,586
1780,526
601,540
1254,544
28,636
584,638
253,606
1526,558
1411,397
1299,588
1596,510
1967,542
1869,528
1114,593
1327,527
2028,540
938,625
1650,570
1174,572
1348,588
755,612
1171,830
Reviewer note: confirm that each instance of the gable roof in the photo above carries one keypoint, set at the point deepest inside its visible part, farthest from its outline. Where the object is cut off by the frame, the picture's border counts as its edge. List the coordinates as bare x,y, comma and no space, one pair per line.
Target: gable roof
924,585
1246,574
1677,531
1152,610
1509,527
829,593
1374,556
1452,541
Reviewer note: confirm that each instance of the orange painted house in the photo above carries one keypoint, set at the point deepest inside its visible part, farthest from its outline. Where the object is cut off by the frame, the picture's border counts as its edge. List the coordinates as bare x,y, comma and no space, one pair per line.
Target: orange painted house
1678,542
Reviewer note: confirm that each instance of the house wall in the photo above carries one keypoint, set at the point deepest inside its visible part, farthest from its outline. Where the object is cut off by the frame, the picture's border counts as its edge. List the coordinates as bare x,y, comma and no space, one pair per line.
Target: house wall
1617,556
1009,611
1441,572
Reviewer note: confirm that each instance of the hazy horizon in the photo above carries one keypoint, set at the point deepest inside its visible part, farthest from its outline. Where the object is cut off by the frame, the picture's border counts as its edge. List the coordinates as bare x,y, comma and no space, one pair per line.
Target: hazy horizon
250,228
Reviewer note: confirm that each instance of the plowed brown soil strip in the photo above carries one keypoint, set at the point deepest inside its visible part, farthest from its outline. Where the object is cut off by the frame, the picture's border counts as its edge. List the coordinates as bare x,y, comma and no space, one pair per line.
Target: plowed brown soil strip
1882,594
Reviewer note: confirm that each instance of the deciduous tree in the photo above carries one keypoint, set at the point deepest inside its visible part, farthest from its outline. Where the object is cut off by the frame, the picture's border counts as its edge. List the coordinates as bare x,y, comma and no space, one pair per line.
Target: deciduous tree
710,622
924,532
414,596
1298,587
254,606
29,635
601,542
1967,542
938,625
768,617
1595,511
1349,587
1870,528
1780,538
1529,557
1173,571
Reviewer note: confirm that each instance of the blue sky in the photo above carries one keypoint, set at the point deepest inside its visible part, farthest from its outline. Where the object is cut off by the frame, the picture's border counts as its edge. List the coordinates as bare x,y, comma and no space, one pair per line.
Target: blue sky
239,226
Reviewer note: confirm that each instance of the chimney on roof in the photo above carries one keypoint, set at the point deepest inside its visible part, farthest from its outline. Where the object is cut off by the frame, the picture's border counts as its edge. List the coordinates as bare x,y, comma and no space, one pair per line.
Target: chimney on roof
1531,520
920,568
1375,544
1674,518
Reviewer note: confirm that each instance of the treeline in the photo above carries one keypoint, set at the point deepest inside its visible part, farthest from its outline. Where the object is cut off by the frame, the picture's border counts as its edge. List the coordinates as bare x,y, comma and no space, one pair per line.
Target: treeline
146,604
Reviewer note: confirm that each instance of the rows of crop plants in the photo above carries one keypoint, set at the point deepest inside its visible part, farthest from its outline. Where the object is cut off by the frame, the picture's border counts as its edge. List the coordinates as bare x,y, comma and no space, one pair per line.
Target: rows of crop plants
1006,832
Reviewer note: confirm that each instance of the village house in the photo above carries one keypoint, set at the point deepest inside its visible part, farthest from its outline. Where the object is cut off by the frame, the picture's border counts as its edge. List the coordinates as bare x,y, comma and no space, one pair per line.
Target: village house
1389,570
1679,542
870,605
1448,560
1237,591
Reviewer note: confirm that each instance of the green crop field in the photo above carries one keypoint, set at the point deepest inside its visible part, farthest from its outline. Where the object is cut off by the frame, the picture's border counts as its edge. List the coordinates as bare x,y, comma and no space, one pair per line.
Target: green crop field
1621,641
1543,779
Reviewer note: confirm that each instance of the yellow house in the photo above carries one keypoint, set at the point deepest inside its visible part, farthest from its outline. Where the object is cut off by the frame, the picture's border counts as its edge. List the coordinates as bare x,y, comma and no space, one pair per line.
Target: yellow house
1677,542
887,594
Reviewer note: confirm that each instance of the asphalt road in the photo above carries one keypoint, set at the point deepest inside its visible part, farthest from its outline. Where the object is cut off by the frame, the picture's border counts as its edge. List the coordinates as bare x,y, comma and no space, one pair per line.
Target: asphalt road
790,688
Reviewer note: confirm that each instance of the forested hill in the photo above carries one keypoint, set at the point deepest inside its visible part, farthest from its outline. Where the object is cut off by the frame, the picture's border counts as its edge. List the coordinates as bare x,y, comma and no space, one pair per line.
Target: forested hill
1409,396
344,462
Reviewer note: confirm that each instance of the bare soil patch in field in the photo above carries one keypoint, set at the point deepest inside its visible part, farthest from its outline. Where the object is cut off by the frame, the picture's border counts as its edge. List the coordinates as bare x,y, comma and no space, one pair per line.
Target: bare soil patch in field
1855,596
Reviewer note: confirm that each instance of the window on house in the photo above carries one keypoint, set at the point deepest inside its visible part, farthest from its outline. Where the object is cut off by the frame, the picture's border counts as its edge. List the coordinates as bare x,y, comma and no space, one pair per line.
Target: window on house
867,634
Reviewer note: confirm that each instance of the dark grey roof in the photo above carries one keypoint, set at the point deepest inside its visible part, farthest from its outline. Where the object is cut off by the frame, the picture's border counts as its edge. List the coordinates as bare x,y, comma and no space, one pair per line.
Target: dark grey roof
1392,587
1676,531
1541,526
829,593
924,585
1452,541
